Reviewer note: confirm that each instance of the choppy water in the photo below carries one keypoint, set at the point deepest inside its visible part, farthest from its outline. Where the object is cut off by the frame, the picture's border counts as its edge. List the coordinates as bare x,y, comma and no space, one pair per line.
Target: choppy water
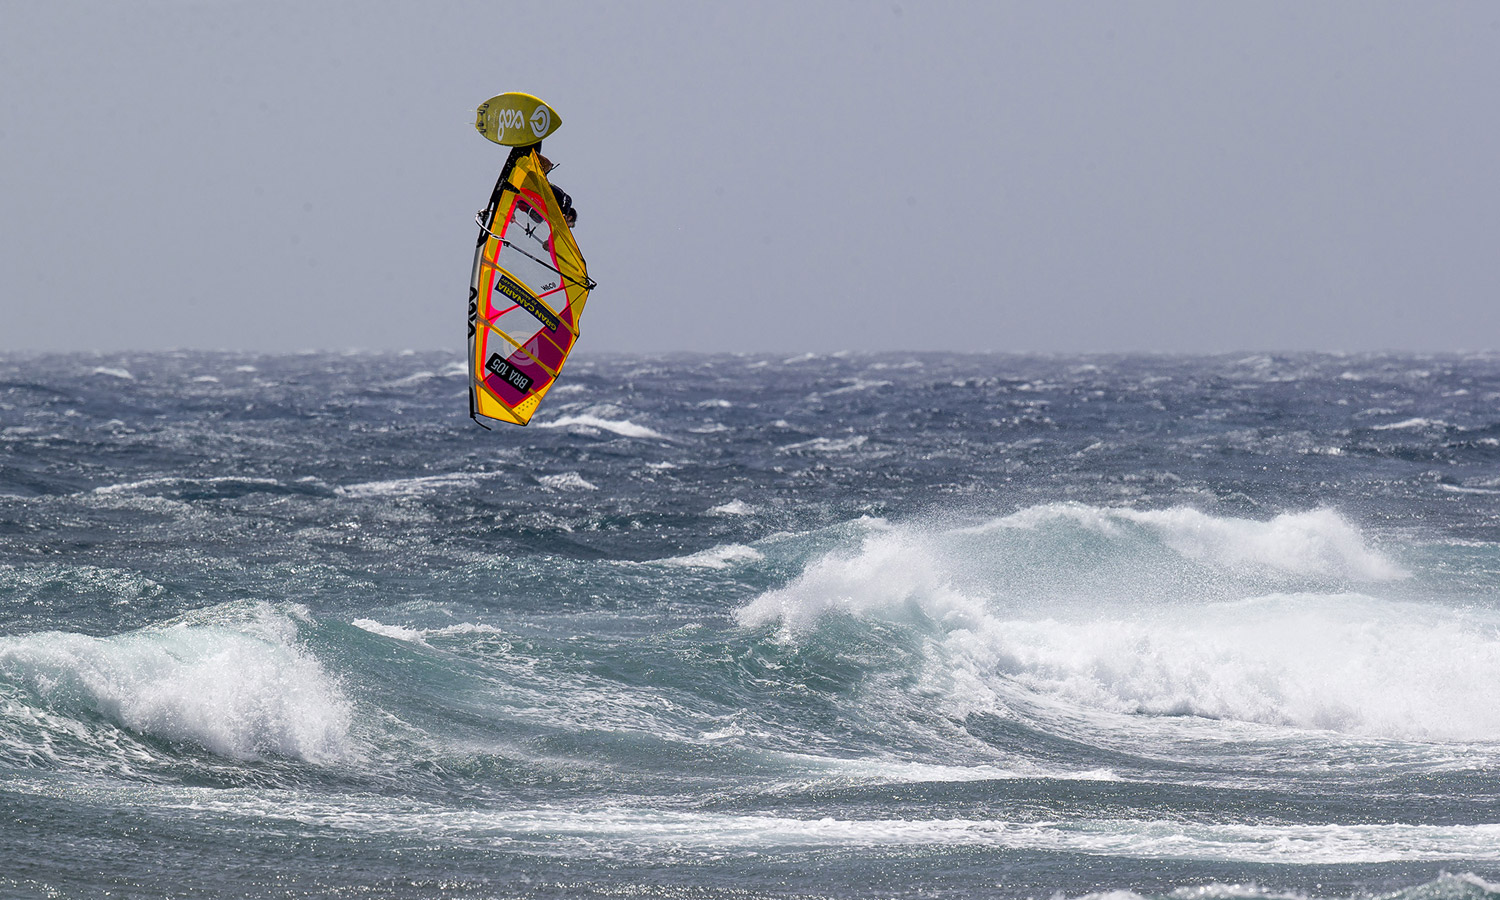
832,626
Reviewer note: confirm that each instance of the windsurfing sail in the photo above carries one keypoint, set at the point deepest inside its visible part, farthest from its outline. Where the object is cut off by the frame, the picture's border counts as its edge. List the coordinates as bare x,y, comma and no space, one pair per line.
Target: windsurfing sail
526,296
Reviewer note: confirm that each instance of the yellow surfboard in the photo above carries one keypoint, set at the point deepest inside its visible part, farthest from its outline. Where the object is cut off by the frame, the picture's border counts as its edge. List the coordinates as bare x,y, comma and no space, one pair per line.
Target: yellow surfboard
516,119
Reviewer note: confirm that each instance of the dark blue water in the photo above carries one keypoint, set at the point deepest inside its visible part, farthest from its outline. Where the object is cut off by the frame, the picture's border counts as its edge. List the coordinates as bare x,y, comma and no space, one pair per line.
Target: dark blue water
747,626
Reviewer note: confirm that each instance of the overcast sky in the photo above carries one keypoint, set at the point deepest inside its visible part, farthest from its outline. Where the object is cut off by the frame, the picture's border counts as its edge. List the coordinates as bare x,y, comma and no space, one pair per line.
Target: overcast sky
760,176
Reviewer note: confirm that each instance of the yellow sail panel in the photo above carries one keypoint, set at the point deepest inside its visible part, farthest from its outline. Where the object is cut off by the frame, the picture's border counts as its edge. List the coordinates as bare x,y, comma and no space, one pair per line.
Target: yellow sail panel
528,290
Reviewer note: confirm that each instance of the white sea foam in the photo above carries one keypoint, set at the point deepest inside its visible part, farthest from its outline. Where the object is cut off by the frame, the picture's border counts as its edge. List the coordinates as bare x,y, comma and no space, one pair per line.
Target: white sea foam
241,688
1346,663
420,635
394,632
621,829
1339,661
857,385
732,508
1301,844
727,732
1413,424
622,427
464,628
889,573
1319,542
721,557
825,445
411,487
568,481
1461,489
145,485
888,770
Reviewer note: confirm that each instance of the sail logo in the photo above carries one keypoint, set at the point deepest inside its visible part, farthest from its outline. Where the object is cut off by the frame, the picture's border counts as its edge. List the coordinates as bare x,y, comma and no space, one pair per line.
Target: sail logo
508,373
541,120
509,118
517,293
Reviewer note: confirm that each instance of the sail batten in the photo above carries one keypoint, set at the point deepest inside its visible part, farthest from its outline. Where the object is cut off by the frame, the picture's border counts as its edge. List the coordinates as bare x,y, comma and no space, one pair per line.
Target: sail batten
521,348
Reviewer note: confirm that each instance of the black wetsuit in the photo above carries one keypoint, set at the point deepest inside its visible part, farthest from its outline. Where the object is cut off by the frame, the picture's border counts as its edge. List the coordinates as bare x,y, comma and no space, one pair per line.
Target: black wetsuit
564,201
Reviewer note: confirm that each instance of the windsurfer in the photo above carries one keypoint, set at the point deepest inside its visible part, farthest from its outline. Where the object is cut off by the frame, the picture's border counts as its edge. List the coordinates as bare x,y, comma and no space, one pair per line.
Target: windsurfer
564,201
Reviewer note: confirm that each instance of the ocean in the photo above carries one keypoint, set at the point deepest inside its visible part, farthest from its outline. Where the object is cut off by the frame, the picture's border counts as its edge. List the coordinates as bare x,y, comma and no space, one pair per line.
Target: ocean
749,626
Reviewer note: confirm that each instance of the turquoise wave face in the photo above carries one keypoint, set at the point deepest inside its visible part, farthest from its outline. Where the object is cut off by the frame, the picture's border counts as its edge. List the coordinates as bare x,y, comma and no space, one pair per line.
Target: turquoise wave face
751,627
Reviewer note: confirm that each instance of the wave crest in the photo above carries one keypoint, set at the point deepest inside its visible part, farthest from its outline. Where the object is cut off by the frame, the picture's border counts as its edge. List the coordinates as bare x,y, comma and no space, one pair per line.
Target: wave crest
241,688
1171,613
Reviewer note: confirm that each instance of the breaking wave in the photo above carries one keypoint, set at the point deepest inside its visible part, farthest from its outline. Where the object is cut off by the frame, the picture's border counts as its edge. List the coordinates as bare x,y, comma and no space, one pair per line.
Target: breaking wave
231,680
1171,613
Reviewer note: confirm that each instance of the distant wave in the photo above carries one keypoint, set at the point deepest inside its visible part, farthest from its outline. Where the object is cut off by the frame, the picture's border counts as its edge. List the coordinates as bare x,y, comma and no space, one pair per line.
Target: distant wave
407,487
154,485
622,427
1411,425
721,557
568,481
420,635
825,445
1319,542
413,379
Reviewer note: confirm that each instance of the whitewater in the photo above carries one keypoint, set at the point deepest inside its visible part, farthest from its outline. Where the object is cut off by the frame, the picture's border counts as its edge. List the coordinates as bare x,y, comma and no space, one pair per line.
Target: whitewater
749,626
